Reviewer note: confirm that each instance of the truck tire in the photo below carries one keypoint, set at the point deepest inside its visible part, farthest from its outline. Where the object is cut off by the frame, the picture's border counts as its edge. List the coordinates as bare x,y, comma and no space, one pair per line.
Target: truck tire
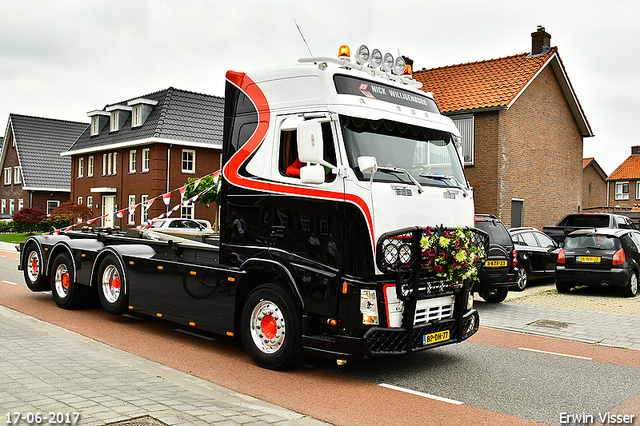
632,286
33,268
110,290
496,295
271,327
66,292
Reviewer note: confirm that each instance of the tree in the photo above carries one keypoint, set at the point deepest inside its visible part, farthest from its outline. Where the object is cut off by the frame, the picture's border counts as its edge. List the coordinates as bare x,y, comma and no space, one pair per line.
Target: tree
211,196
27,219
72,211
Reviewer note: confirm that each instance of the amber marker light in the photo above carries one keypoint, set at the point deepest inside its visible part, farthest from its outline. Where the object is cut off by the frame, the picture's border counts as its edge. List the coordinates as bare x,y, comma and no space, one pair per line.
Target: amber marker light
344,51
192,324
131,308
231,279
83,255
159,315
344,287
229,333
407,70
160,267
131,262
193,272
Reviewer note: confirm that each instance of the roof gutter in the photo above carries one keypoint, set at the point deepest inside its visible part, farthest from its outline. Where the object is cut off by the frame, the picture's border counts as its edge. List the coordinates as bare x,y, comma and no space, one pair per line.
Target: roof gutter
139,142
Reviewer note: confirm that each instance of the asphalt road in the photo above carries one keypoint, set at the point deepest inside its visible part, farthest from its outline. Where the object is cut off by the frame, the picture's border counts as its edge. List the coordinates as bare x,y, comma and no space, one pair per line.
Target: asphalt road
488,380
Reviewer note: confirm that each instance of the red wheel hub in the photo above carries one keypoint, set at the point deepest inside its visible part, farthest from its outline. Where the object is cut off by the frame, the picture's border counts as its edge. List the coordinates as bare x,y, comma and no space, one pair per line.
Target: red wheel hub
34,266
115,283
65,280
269,327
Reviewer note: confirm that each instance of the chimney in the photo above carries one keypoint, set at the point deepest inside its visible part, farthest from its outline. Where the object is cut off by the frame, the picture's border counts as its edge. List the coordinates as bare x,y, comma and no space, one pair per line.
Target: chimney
635,150
540,41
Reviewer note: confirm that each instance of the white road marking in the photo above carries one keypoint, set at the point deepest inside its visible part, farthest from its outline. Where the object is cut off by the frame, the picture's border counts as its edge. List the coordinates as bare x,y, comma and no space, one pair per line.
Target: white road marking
555,353
426,395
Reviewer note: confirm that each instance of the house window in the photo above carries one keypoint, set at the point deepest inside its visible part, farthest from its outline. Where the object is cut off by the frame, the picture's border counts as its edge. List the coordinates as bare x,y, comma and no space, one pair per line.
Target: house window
17,174
90,201
90,166
79,201
145,159
143,208
20,204
131,219
12,206
188,161
115,163
4,205
95,125
115,121
622,190
104,164
637,190
186,212
466,125
136,119
52,204
7,175
132,161
109,162
80,167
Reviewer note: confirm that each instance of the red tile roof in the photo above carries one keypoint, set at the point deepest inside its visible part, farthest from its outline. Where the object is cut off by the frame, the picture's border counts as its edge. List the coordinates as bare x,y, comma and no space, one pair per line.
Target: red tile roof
493,83
629,169
586,162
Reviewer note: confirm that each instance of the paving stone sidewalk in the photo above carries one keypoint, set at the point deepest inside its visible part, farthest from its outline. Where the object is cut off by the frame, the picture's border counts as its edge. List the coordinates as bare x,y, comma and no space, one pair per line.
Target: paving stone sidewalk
48,370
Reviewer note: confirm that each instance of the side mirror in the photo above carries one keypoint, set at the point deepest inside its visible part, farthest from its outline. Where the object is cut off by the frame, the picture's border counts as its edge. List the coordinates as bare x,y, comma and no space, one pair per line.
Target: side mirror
310,144
313,173
367,165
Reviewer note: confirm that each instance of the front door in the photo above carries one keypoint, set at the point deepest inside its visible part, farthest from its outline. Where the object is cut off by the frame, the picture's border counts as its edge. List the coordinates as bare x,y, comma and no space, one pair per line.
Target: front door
108,207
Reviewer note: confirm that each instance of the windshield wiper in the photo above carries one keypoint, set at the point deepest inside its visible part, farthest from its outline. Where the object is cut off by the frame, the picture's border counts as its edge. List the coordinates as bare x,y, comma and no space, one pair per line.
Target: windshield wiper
401,170
457,183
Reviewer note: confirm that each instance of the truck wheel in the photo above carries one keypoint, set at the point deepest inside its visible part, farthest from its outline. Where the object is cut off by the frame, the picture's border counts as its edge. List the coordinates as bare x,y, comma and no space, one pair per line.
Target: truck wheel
522,278
271,327
564,287
496,295
32,269
632,286
110,289
66,292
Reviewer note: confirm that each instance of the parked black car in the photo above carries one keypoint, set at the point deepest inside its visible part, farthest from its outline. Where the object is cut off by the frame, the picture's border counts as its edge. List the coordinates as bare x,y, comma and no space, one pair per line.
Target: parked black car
573,222
537,255
496,274
595,257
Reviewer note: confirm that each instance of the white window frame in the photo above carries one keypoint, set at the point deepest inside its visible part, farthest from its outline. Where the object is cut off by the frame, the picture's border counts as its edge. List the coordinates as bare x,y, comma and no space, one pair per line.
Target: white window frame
17,174
20,204
115,164
131,218
7,175
637,189
4,206
190,168
136,116
12,206
95,125
104,164
115,121
146,160
50,203
109,163
90,201
466,126
79,201
144,214
80,167
132,160
619,190
90,166
187,212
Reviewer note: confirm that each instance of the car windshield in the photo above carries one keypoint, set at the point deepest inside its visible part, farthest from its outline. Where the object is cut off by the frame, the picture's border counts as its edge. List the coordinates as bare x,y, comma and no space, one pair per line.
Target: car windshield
498,234
589,220
593,241
429,155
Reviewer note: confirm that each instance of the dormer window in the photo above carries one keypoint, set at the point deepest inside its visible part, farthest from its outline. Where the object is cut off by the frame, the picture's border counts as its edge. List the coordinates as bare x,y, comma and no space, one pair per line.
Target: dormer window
141,110
119,114
98,120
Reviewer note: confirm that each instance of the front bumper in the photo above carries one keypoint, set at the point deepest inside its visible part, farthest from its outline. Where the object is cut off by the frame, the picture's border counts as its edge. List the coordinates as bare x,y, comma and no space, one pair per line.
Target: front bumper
616,276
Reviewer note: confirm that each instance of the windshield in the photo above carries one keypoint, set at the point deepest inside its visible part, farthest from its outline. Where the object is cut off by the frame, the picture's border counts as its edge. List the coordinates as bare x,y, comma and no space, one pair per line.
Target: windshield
498,234
428,155
594,241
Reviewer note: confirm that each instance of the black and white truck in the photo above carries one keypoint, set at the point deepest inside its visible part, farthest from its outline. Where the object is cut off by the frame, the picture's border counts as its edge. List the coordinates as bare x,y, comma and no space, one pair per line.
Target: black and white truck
337,166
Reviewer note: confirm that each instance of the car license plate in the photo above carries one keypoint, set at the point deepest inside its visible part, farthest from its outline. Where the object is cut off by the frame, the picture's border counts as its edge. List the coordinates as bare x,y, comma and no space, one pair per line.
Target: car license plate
495,263
589,259
439,336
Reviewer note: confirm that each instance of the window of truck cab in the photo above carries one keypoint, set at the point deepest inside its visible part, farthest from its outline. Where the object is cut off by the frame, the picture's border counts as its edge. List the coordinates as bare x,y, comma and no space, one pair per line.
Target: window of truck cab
429,155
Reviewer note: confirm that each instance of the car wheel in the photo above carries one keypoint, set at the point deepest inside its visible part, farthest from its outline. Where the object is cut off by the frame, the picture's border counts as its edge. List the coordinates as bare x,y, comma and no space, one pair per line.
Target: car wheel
111,286
522,278
32,269
66,292
632,286
563,287
496,295
271,331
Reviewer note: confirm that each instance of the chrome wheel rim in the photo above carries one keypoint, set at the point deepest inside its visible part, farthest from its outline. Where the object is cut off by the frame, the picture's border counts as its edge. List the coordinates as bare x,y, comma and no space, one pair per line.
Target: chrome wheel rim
522,279
33,266
61,280
267,327
111,284
633,284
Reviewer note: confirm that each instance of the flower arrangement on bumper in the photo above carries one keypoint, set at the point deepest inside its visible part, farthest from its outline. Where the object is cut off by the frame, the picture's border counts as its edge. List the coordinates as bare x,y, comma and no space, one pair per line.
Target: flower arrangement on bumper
450,253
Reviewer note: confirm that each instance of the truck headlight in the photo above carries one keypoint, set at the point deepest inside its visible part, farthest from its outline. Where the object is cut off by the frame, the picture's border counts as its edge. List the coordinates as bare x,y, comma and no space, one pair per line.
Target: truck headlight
369,307
470,301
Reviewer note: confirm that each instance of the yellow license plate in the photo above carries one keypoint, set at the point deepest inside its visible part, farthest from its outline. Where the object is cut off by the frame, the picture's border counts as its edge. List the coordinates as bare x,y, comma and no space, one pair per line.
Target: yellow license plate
439,336
589,259
495,263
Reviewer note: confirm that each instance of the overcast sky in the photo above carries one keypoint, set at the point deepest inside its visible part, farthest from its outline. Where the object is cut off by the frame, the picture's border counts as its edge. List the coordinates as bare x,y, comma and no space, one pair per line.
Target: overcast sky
63,58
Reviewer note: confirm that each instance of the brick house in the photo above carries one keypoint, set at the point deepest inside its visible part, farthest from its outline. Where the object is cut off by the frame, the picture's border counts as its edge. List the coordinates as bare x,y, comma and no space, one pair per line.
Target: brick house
623,184
522,128
33,173
142,148
594,185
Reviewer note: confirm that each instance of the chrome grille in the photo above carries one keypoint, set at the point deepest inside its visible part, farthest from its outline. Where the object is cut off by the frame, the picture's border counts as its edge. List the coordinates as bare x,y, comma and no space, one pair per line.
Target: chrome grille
428,310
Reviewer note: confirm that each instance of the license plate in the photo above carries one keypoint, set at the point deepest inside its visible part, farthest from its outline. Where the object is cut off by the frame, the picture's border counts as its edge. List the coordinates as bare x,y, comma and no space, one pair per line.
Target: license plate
495,263
589,259
439,336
